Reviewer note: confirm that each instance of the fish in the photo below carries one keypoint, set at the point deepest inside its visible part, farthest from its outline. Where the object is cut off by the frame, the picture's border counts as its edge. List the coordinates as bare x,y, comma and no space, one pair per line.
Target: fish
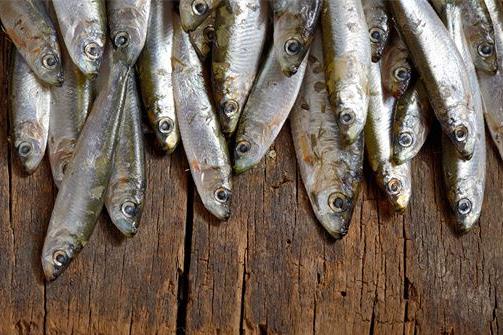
194,12
70,105
393,179
203,36
31,30
81,196
331,171
202,138
83,26
294,27
30,106
126,190
378,22
268,107
128,23
465,180
155,73
441,68
347,51
241,32
479,32
412,123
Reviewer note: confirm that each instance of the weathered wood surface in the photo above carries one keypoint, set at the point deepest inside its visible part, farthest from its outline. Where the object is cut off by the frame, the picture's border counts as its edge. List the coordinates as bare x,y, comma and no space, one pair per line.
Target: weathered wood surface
271,269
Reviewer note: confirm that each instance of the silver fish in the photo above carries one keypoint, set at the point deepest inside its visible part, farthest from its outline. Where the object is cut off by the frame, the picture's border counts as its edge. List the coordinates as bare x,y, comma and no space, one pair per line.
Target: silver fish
126,191
155,74
331,170
378,22
203,36
203,141
267,109
194,12
30,105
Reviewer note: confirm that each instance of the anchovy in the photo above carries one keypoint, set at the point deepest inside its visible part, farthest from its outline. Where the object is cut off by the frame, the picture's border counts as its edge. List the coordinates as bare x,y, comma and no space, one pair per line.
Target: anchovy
378,22
155,74
294,26
30,108
81,195
126,191
241,28
194,12
267,109
83,26
347,54
31,30
203,36
203,141
331,170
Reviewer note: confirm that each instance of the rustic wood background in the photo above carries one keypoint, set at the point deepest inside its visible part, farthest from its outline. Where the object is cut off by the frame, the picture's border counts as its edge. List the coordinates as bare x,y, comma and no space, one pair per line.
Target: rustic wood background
271,269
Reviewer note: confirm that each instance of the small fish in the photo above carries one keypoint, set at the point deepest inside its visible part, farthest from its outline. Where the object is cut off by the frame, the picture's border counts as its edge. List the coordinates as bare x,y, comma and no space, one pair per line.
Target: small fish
241,32
267,109
83,26
442,70
31,30
128,23
194,12
379,25
81,195
155,74
126,191
412,123
203,141
331,170
347,54
30,105
203,36
294,26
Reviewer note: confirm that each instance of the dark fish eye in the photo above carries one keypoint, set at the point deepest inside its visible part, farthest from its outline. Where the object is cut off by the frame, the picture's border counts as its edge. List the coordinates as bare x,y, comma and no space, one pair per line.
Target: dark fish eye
460,133
394,186
401,73
129,209
293,47
464,206
165,126
222,195
199,7
376,35
209,33
243,147
92,50
346,117
49,61
121,39
24,149
405,139
337,202
485,49
60,258
230,107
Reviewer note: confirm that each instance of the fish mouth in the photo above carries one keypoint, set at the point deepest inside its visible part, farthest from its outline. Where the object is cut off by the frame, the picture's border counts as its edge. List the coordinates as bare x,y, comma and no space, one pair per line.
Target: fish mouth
54,265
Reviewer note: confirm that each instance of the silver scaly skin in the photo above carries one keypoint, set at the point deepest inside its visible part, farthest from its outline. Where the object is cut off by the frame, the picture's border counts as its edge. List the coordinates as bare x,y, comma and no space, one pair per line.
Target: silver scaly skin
203,141
331,170
194,12
379,24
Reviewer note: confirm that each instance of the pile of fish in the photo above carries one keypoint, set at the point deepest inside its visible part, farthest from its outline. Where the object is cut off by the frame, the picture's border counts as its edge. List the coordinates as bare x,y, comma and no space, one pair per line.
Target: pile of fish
223,76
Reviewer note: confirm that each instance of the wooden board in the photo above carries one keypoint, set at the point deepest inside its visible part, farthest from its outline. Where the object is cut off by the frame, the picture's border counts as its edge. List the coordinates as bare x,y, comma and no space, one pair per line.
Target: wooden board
271,269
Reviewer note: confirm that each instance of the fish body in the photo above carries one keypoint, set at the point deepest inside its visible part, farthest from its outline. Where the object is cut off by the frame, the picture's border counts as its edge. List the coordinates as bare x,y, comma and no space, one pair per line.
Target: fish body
378,22
241,27
203,141
194,12
155,74
203,36
331,170
29,27
347,54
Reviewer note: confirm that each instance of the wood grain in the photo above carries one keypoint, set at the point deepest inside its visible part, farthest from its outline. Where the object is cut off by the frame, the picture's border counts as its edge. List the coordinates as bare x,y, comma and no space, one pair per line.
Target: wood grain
270,269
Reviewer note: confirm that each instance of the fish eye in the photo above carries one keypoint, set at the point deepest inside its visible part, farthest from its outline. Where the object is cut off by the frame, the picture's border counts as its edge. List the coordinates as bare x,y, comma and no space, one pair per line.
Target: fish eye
121,39
485,49
209,33
376,35
464,206
199,7
60,258
293,47
49,61
222,195
394,186
92,50
230,107
24,149
405,139
243,147
461,133
129,209
337,202
401,73
347,117
165,125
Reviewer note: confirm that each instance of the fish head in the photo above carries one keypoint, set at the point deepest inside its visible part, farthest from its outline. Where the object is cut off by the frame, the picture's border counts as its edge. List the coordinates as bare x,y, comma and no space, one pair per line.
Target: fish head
216,194
403,145
290,44
396,183
466,201
57,254
229,111
87,51
193,13
48,66
166,131
482,49
334,208
125,207
247,153
463,134
351,109
30,146
396,77
379,30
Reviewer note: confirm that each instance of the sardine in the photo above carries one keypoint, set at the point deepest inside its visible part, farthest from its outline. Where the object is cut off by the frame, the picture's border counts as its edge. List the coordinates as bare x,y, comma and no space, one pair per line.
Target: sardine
155,74
441,68
397,64
83,26
378,22
331,170
267,109
294,26
347,54
30,105
126,191
241,27
81,195
194,12
28,25
412,123
203,36
203,141
128,23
